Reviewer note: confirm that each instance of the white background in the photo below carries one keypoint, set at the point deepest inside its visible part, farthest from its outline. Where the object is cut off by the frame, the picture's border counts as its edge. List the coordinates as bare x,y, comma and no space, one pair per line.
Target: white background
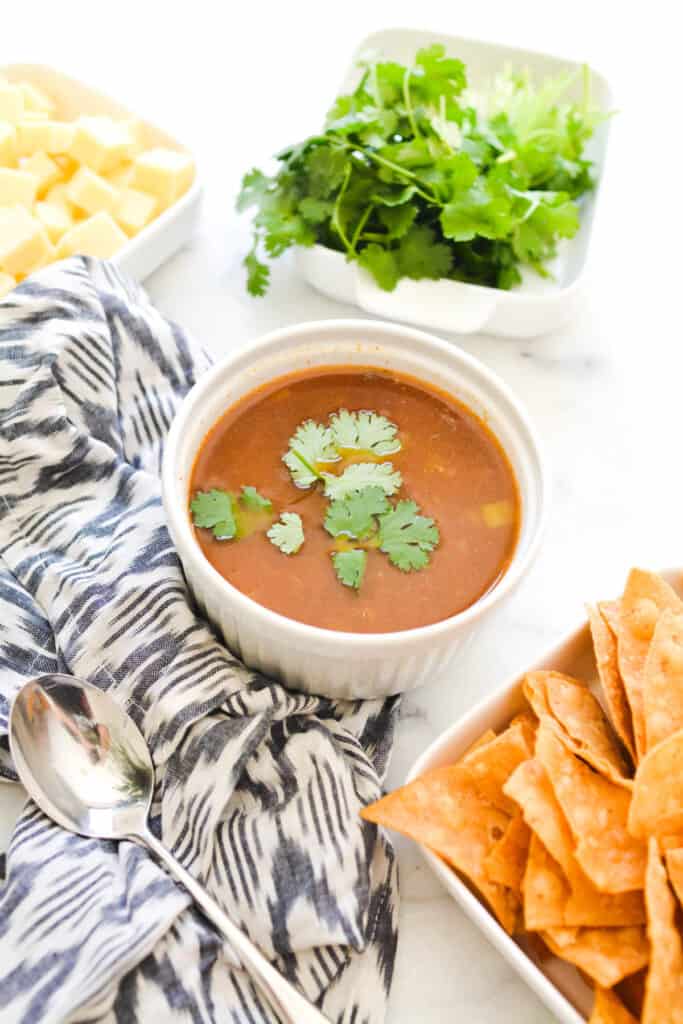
237,81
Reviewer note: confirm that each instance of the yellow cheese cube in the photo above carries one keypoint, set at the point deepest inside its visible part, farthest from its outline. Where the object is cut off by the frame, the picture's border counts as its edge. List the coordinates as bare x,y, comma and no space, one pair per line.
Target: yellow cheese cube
7,283
101,143
138,134
8,139
17,187
92,193
55,218
135,209
34,115
36,136
45,170
11,102
166,173
98,236
121,175
36,99
24,245
67,164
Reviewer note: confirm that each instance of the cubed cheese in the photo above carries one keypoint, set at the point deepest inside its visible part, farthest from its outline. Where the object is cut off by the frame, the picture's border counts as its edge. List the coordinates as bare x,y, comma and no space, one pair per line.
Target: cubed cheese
92,193
17,187
101,143
36,99
11,102
44,136
121,175
43,168
135,209
55,218
24,244
166,173
67,164
34,115
7,283
58,196
8,139
97,236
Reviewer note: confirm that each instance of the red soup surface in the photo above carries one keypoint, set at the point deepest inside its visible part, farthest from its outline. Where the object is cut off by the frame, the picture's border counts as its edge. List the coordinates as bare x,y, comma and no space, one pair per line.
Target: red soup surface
451,465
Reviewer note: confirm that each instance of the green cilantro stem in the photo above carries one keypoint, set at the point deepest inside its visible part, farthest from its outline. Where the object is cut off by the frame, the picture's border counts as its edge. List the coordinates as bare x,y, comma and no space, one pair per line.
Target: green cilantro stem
306,464
361,224
336,213
409,106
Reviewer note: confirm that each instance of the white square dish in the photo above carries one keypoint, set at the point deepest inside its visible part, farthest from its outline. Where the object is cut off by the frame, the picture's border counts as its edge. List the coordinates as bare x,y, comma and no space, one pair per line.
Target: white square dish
535,307
141,255
556,983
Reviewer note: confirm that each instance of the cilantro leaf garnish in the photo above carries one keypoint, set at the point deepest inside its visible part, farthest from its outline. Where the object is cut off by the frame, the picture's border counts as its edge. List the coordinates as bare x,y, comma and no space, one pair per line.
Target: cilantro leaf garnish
414,175
252,499
213,510
354,514
311,443
360,475
407,537
287,534
365,431
350,567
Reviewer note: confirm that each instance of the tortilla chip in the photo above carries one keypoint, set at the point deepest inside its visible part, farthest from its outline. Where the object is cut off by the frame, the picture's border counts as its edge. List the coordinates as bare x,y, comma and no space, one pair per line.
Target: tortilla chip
485,738
490,765
605,954
506,863
443,810
674,867
605,648
545,889
582,718
597,812
663,680
657,804
645,598
530,786
609,1009
664,987
529,723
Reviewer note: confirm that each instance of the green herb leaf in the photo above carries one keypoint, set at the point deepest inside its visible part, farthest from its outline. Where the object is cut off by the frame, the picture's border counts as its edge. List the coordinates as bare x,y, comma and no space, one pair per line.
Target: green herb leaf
252,499
407,537
354,514
311,443
382,264
258,273
365,431
420,255
288,533
350,567
360,475
213,510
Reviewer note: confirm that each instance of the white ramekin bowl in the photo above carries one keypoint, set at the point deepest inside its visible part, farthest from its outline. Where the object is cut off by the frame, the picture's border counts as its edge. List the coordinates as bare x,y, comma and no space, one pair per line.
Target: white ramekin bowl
336,664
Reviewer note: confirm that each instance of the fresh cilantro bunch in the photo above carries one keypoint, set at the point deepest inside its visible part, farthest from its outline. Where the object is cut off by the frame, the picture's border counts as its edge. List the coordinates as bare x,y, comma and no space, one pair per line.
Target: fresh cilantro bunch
414,176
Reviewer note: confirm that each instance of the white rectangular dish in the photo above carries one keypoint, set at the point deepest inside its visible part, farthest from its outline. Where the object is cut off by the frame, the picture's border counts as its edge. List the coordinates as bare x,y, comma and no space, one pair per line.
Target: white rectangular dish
141,255
535,307
556,983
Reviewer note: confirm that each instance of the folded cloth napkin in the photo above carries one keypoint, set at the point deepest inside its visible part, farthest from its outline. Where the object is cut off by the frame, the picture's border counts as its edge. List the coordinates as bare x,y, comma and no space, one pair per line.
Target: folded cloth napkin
258,788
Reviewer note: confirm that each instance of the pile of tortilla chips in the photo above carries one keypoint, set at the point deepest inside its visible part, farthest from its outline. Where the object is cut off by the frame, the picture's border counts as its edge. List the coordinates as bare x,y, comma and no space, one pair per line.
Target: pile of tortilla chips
569,824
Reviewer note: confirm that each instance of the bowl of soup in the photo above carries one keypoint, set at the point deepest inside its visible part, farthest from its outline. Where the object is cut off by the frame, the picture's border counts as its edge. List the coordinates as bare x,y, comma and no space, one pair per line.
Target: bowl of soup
348,499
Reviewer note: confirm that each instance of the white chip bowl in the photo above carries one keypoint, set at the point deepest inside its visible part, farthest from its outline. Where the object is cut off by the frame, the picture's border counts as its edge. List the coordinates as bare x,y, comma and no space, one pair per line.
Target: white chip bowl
557,983
338,664
537,306
164,235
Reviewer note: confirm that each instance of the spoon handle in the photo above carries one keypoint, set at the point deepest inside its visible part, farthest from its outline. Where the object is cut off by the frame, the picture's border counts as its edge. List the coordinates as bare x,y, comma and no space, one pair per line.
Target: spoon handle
290,1005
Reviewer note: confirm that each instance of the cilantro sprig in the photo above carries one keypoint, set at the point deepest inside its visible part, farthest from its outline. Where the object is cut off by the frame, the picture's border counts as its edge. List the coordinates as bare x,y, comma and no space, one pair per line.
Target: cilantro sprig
360,516
416,176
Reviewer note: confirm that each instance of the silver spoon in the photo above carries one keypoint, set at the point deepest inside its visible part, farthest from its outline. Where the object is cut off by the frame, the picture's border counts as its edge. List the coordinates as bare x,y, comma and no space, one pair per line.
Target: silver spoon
85,763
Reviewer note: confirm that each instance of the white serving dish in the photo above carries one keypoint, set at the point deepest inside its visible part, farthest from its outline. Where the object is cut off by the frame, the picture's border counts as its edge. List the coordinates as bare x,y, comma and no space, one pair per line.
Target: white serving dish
337,664
535,307
141,255
556,983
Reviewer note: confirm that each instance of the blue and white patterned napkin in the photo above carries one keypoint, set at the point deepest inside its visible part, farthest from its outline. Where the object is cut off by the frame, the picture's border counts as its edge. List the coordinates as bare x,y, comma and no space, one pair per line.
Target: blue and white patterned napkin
258,788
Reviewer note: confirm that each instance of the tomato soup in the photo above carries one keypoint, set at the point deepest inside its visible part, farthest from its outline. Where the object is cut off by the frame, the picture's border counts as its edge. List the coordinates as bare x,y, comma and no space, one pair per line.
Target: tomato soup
451,480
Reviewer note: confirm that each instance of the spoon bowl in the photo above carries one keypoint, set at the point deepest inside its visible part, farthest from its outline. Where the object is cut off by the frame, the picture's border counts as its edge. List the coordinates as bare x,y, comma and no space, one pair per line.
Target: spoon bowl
85,763
81,757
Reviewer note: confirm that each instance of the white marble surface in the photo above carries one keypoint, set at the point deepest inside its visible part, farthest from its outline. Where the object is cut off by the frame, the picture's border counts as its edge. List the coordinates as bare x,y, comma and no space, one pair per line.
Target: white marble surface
606,393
